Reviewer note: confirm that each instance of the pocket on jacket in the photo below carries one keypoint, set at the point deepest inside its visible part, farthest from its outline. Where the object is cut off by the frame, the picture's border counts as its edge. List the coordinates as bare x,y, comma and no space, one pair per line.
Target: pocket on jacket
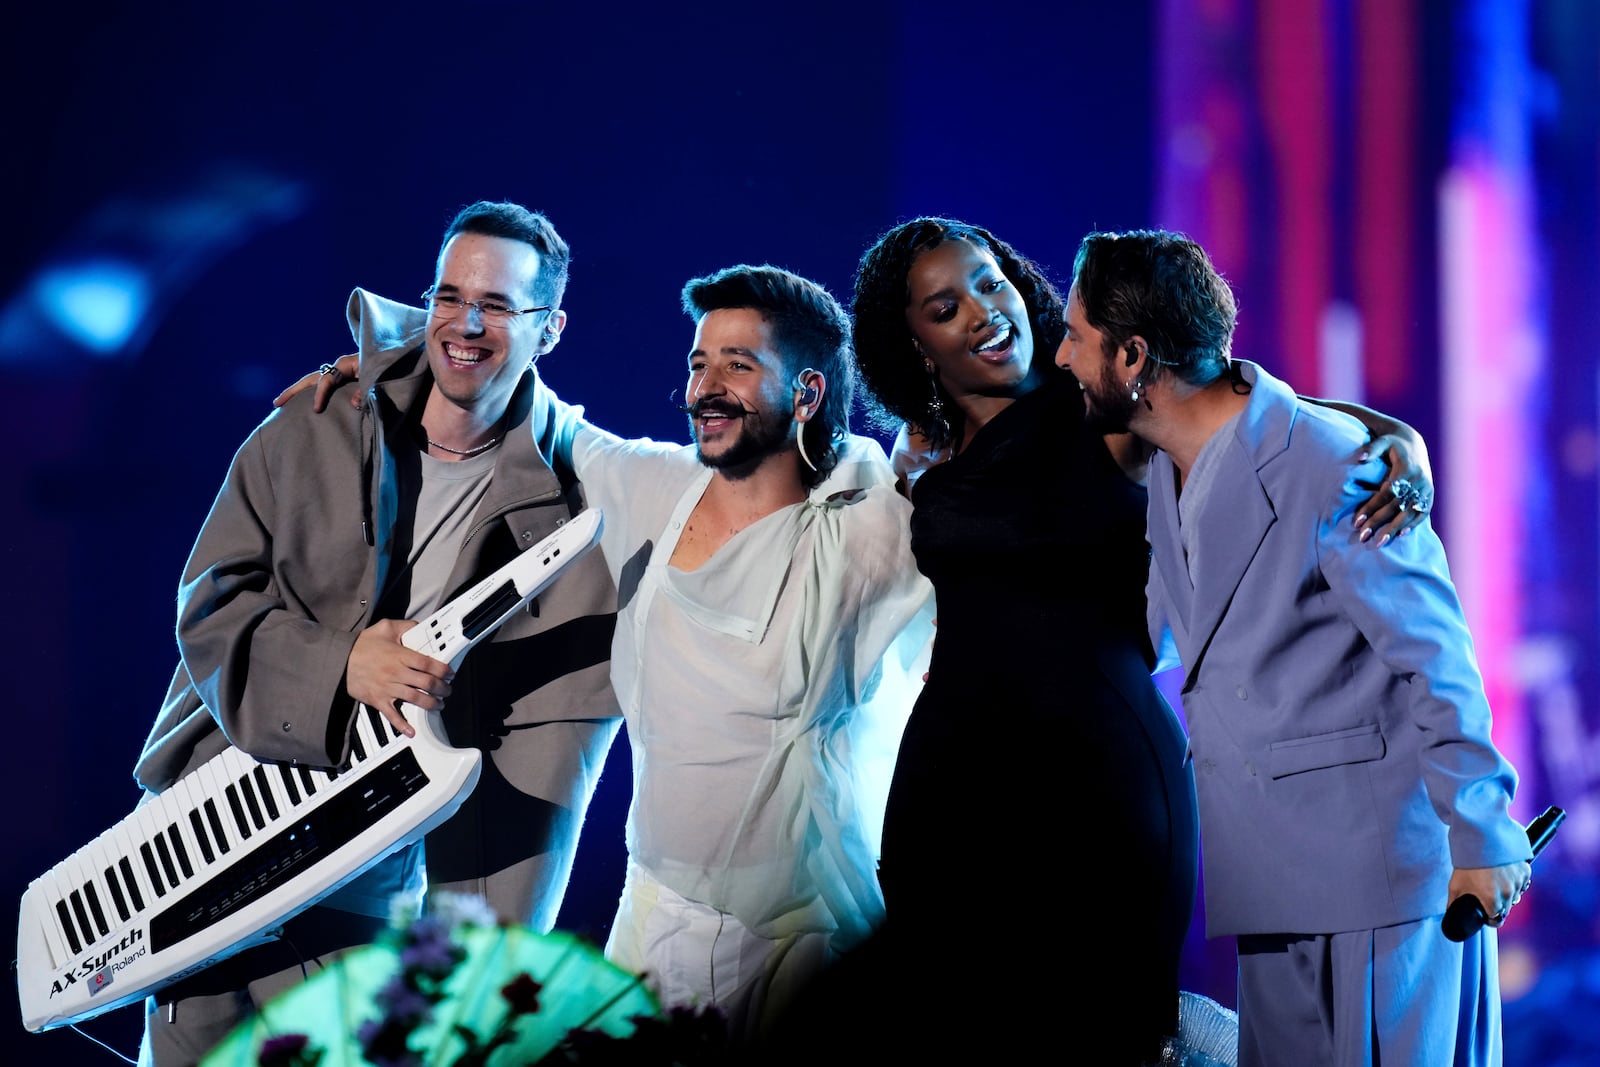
1358,744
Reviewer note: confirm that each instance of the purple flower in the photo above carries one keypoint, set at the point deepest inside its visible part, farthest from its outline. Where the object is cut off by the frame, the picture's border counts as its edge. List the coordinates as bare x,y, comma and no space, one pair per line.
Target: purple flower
287,1050
284,1044
402,1002
428,948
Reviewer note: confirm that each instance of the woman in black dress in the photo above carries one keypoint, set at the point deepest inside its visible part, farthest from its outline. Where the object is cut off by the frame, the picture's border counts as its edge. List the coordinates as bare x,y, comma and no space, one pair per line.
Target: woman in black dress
1040,846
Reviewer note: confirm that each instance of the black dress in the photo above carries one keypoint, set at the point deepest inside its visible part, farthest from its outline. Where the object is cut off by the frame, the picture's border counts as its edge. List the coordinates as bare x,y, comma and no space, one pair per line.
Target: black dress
1040,846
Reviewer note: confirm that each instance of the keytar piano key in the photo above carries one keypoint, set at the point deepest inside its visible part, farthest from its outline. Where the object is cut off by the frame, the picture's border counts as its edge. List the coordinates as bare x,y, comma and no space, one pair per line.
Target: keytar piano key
180,864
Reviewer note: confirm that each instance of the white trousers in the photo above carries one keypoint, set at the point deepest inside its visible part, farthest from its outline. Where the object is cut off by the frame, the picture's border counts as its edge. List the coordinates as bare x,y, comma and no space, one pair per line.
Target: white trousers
692,955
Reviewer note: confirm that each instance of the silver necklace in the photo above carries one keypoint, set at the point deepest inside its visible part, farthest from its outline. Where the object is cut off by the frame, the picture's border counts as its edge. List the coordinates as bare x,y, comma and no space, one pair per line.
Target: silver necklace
465,453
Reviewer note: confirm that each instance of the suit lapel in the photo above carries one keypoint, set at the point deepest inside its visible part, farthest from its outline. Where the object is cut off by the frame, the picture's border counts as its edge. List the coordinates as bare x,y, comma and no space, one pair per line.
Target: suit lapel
1236,516
1235,519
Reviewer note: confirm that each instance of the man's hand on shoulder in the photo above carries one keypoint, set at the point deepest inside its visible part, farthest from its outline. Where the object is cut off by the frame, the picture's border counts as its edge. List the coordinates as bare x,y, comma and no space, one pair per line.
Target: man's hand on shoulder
327,378
382,673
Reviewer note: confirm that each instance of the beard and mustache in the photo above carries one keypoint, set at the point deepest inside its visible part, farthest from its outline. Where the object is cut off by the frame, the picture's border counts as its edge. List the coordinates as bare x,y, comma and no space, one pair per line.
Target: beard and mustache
760,434
1108,407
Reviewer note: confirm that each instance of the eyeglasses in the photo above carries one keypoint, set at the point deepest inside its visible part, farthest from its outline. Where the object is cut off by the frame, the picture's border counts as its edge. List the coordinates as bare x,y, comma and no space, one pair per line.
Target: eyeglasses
448,306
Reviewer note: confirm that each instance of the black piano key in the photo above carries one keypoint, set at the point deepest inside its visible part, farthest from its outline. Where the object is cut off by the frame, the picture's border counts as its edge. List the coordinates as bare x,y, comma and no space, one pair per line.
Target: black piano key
214,820
238,811
179,851
252,805
358,751
199,826
166,859
117,898
284,851
96,910
287,774
133,883
307,783
150,869
82,916
67,928
380,726
264,787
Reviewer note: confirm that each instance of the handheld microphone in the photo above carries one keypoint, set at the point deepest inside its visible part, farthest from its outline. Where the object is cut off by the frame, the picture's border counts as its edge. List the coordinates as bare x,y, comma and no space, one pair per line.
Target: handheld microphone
1466,916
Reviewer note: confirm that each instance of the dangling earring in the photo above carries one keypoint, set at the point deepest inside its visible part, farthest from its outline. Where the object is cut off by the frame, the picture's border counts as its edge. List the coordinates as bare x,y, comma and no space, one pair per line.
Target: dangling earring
800,439
1138,387
937,419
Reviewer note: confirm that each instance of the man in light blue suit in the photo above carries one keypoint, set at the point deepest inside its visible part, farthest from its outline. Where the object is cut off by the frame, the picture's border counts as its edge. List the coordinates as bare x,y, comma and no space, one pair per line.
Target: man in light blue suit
1349,788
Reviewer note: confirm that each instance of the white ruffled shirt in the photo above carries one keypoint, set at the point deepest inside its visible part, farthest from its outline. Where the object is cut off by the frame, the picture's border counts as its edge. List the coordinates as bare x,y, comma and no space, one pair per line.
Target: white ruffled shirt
765,691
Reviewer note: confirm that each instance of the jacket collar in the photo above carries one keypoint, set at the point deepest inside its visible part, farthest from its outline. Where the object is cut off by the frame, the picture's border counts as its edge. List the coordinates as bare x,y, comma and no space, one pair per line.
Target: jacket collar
390,339
1259,435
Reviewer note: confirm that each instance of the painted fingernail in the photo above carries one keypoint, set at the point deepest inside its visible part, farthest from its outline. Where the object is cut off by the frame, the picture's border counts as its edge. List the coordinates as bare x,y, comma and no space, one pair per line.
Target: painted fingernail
1361,520
1386,539
1366,534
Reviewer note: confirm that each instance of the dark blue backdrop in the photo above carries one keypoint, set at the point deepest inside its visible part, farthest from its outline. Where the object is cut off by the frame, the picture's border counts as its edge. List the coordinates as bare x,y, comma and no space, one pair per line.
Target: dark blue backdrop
258,162
252,164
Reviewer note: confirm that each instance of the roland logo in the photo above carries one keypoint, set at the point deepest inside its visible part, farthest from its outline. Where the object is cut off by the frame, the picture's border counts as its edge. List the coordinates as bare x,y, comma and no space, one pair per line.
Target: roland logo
89,966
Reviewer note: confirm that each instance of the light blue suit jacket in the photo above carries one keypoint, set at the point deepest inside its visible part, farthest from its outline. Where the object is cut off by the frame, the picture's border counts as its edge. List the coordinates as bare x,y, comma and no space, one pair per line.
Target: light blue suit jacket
1338,722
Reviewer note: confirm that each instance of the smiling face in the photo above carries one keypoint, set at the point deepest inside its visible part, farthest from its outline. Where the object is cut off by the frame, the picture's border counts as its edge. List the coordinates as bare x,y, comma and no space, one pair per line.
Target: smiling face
1109,406
970,322
476,365
740,392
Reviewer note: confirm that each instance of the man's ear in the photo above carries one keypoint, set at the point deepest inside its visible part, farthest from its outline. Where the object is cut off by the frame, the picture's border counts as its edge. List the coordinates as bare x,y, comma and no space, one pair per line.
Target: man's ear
1134,348
550,332
809,385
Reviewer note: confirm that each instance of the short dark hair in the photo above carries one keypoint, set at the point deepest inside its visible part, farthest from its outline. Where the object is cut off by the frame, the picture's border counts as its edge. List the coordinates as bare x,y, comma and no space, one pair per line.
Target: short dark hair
1163,287
504,219
891,367
809,328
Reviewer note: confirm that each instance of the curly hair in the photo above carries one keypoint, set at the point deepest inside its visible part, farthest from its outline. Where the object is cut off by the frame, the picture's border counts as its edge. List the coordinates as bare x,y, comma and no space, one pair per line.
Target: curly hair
899,385
1163,287
809,328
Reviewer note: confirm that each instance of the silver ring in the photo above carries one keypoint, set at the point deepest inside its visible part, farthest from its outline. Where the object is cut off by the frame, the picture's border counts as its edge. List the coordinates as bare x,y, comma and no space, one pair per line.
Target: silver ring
329,368
1409,497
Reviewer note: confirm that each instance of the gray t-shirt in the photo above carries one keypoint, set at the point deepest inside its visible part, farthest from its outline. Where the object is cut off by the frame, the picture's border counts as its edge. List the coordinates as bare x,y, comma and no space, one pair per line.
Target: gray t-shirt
443,497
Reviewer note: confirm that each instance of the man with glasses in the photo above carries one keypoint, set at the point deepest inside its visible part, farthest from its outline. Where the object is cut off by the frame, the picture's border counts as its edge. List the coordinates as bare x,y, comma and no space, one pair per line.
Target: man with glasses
328,532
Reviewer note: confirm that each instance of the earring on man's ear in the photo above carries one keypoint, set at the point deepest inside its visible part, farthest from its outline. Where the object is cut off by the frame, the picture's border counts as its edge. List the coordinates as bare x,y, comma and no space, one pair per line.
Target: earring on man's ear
1138,387
800,439
808,394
